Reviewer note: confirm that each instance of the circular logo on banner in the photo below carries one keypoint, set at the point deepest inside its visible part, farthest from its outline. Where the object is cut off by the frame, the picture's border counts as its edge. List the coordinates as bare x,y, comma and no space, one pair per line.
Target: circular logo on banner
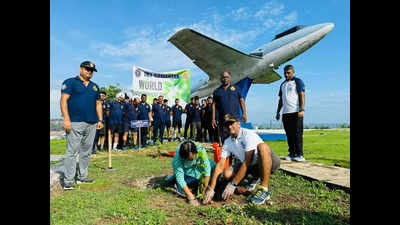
137,73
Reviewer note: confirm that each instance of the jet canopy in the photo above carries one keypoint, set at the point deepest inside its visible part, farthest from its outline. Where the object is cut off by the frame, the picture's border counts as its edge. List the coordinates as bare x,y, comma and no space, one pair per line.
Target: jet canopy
289,31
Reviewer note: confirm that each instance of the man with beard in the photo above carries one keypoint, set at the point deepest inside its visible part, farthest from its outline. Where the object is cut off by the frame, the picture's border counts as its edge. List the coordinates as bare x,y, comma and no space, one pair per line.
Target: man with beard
292,100
227,99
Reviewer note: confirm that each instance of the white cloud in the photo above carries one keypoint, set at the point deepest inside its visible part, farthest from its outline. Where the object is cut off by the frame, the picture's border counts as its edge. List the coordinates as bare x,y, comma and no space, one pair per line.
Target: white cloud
276,24
269,9
240,14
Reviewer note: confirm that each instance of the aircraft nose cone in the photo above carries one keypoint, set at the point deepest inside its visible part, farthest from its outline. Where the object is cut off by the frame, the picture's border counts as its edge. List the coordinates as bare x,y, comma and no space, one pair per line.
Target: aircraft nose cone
326,27
329,27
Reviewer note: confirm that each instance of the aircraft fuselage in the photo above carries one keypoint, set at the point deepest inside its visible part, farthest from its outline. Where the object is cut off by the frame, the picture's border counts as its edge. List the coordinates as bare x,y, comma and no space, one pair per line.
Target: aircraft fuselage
271,56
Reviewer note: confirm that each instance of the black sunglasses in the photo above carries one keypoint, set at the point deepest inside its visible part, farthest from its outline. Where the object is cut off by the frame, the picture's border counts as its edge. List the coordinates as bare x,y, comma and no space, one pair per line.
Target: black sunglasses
89,69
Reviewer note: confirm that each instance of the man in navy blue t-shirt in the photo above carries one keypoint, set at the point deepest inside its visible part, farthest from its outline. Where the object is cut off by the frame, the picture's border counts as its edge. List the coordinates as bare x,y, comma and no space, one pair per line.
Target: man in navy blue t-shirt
81,108
203,120
115,112
131,114
151,119
196,120
167,116
177,111
188,124
100,134
212,132
158,111
227,100
144,114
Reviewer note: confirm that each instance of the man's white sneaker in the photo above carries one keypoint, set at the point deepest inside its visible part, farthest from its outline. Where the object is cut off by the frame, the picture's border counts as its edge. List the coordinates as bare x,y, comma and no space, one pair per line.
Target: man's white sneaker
299,159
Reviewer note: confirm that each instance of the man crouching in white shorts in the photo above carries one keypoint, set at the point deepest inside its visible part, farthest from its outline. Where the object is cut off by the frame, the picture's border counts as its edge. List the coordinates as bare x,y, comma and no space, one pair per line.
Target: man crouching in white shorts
254,155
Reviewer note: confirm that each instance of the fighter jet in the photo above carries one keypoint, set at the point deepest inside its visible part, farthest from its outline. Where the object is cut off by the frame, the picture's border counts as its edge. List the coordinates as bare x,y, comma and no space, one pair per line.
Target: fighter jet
258,67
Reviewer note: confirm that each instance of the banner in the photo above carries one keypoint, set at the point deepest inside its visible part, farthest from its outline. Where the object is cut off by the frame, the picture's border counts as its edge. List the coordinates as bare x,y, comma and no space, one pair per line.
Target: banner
171,85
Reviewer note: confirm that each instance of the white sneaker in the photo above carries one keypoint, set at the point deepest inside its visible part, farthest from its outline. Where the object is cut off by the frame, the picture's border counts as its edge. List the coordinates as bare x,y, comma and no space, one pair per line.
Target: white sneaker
253,185
299,159
288,157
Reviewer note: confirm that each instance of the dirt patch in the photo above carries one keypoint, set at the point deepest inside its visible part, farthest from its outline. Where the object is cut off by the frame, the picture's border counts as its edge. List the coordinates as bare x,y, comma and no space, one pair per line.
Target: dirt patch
162,156
146,183
112,220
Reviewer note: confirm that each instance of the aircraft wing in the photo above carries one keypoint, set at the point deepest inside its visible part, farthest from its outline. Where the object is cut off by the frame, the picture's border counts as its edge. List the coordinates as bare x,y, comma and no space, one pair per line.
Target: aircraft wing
267,78
211,56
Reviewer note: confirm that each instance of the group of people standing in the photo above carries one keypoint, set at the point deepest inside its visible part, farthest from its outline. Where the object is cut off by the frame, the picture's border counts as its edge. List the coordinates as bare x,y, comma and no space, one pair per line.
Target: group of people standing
118,114
84,111
198,120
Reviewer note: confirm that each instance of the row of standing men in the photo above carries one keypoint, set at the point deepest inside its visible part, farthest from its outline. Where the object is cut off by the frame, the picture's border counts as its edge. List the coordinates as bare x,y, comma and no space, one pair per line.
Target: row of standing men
119,113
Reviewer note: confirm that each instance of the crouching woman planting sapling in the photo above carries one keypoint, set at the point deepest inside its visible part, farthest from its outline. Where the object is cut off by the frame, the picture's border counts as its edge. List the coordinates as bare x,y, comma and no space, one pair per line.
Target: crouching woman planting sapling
192,170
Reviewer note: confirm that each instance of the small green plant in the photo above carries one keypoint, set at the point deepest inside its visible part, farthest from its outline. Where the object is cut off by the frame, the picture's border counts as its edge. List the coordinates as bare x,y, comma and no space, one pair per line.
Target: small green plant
200,158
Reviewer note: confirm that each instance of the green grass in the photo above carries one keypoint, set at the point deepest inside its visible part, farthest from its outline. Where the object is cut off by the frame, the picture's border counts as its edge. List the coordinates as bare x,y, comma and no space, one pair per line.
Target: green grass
115,197
57,147
329,147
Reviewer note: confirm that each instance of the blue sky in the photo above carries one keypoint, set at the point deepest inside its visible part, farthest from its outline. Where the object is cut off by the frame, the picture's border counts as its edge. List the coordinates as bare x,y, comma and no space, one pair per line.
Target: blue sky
118,34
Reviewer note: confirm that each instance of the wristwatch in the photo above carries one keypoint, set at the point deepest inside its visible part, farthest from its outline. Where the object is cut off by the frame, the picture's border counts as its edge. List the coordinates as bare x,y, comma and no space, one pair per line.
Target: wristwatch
101,121
301,110
233,183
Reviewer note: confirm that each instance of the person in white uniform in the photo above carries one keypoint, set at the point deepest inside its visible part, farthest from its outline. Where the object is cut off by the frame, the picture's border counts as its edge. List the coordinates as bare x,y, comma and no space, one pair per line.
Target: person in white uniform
292,101
255,156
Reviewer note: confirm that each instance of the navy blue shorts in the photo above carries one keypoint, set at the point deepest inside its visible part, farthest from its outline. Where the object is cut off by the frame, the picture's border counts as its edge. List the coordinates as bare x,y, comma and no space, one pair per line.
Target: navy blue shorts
177,123
116,128
127,127
168,123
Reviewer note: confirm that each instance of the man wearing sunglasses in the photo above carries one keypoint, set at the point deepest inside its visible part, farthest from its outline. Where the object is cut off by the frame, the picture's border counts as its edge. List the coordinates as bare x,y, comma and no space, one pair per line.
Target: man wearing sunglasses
81,107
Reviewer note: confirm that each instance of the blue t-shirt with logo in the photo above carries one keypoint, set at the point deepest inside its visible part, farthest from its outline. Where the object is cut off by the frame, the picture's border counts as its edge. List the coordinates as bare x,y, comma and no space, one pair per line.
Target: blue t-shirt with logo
167,113
177,112
116,112
144,110
82,101
227,101
196,114
131,113
159,111
189,111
